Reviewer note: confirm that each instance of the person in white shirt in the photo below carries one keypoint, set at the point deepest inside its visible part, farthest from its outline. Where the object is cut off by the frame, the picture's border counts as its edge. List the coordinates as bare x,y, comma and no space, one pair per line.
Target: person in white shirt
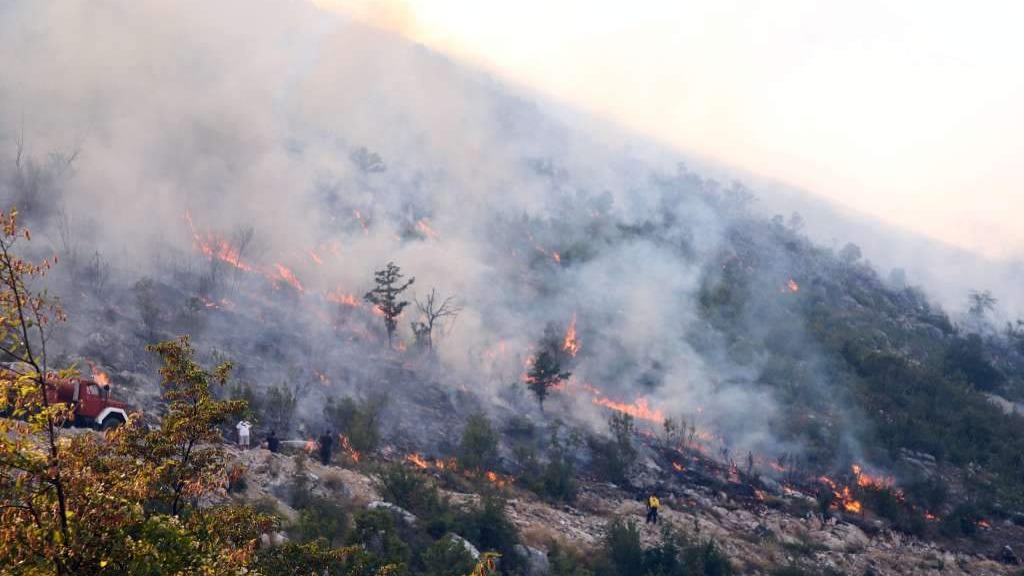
243,433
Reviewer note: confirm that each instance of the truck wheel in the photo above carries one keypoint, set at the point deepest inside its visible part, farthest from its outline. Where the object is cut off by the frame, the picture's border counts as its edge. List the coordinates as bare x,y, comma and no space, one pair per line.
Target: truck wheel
111,422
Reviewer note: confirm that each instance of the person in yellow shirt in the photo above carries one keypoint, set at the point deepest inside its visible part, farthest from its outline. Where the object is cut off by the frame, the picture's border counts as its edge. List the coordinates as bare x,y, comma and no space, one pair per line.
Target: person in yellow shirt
652,509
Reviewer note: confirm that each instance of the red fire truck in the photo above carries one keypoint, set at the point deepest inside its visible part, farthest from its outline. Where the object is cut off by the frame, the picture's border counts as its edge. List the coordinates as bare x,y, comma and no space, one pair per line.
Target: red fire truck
91,399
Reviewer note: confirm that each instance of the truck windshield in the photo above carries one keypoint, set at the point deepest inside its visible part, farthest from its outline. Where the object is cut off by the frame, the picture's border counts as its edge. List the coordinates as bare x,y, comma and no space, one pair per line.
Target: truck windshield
93,390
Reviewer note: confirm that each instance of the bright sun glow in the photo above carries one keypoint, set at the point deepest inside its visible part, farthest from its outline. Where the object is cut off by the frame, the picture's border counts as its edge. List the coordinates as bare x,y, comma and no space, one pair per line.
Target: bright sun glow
908,111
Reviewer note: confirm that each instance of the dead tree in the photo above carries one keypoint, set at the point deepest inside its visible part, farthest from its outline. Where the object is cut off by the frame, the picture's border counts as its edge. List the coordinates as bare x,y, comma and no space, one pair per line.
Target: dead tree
434,312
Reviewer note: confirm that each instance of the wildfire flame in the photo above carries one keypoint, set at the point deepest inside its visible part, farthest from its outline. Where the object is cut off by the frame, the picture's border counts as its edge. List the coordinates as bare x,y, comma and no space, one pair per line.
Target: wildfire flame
792,285
347,447
289,277
556,257
310,446
452,465
639,409
424,228
416,460
342,298
101,377
571,344
214,247
844,496
679,467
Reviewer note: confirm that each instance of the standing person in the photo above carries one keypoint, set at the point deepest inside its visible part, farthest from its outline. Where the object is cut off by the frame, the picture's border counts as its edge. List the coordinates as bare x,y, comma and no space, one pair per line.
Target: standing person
243,427
272,442
326,442
652,509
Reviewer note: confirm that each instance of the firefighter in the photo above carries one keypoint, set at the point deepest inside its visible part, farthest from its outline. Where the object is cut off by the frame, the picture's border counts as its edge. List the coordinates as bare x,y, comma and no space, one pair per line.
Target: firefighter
652,509
326,442
272,442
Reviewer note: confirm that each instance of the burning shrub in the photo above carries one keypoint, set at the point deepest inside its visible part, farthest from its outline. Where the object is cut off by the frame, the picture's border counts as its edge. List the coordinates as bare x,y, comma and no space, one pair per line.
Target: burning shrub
358,421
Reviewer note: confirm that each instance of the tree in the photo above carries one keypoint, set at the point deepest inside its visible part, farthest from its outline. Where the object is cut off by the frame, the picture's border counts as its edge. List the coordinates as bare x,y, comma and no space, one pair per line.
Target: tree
849,253
33,493
434,311
386,297
545,374
186,451
77,504
367,162
145,301
981,303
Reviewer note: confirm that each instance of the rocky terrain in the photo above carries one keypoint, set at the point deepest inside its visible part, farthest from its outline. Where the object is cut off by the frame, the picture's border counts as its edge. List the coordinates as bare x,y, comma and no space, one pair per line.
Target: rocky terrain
758,538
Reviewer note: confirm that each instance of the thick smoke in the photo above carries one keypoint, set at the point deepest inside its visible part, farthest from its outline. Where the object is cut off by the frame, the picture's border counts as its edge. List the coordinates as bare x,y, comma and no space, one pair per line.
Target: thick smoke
267,115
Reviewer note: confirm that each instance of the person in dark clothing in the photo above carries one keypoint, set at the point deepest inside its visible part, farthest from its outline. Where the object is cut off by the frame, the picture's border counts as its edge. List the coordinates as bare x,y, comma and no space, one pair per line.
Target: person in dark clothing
272,442
326,443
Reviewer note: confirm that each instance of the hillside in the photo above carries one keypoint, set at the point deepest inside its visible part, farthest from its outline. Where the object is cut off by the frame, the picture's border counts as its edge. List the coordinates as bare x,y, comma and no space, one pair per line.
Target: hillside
463,284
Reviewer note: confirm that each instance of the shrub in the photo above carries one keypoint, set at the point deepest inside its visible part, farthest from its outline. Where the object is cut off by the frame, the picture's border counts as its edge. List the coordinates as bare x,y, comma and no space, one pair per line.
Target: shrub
359,421
478,448
446,557
321,519
613,458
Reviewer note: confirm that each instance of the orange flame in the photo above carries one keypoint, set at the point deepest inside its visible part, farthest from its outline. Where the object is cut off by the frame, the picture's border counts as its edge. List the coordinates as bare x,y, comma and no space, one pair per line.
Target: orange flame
556,257
216,248
424,228
679,467
101,377
342,298
417,460
639,409
571,344
310,446
347,447
843,495
792,285
984,524
319,261
289,277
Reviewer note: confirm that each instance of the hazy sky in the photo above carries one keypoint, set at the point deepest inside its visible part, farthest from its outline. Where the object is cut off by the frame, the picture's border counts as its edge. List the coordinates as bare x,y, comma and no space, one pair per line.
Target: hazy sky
909,111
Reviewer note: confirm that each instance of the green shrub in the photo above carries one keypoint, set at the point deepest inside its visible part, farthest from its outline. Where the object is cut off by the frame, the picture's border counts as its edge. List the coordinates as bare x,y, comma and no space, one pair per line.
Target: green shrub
447,557
613,458
359,421
321,519
478,448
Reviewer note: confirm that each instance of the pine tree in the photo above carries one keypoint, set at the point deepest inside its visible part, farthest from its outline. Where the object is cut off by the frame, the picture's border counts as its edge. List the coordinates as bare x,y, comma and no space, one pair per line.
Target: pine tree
386,297
545,373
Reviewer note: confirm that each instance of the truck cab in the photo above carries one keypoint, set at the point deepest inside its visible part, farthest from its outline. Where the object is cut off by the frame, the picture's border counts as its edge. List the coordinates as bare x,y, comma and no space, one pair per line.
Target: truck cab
91,399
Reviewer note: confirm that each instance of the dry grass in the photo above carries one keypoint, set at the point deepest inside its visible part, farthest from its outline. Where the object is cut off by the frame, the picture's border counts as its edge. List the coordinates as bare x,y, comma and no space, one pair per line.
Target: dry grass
334,480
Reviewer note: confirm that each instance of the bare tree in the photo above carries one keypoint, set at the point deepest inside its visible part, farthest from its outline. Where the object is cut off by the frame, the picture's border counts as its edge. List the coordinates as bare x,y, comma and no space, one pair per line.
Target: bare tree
434,312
